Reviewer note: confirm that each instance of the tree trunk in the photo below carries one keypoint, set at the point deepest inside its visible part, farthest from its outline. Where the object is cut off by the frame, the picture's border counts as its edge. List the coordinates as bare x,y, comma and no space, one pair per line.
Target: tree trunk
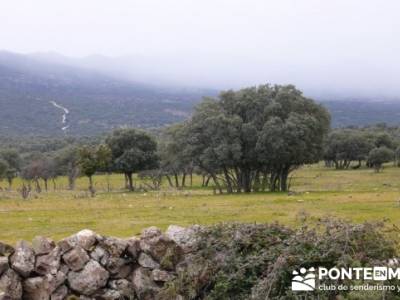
283,181
71,181
207,181
10,180
217,183
183,183
169,181
91,188
264,182
176,180
228,181
246,181
108,182
45,184
90,182
130,181
38,188
257,183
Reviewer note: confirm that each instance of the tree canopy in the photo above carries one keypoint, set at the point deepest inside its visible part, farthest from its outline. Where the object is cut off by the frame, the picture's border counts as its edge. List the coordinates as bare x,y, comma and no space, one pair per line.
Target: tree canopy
256,136
132,151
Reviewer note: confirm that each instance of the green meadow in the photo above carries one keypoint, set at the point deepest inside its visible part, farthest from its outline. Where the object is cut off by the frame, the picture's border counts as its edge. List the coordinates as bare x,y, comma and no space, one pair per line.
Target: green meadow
316,191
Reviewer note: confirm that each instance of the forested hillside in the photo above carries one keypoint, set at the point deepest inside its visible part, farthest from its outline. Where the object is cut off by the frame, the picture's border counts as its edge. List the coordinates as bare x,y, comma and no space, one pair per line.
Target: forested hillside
39,96
33,94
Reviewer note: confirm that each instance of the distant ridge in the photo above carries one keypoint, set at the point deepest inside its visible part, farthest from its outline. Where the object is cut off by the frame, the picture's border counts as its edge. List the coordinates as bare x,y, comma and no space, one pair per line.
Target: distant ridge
96,102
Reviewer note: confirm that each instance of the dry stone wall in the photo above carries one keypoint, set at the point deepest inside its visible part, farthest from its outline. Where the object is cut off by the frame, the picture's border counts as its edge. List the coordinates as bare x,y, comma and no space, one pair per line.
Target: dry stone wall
87,265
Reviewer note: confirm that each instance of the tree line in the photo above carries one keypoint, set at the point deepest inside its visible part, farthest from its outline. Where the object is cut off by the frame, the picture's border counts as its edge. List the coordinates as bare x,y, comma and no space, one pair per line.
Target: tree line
241,141
351,148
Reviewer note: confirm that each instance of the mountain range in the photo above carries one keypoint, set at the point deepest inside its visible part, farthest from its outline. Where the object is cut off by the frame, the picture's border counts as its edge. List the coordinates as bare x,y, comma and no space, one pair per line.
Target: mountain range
39,96
49,94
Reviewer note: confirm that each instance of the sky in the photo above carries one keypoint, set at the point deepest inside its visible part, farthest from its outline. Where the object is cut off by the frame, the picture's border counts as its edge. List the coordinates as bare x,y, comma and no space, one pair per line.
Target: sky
342,46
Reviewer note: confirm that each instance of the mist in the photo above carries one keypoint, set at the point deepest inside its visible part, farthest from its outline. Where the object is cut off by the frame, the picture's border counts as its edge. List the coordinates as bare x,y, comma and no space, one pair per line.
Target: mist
327,48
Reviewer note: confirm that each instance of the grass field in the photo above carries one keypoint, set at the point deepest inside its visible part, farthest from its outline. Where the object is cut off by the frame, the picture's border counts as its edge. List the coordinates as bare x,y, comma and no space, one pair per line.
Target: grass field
356,195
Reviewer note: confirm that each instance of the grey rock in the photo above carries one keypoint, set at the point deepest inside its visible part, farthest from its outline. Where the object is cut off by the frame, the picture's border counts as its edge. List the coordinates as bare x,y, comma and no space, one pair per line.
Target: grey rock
67,244
49,263
5,249
144,286
123,286
99,253
76,258
186,238
108,294
119,267
86,239
23,259
150,232
39,288
161,248
60,278
42,245
10,285
4,266
60,293
115,247
147,261
3,296
90,279
161,275
133,248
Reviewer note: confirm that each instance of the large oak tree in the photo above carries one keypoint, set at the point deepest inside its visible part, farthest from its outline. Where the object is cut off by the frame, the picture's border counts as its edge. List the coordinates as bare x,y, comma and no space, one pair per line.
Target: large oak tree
254,137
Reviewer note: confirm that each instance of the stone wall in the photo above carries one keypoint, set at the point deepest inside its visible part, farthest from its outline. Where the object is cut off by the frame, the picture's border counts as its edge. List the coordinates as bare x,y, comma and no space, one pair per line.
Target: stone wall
89,266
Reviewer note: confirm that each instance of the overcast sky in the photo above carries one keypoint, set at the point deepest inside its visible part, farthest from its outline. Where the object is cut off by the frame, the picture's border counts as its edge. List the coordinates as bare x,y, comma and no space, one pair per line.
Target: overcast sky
336,46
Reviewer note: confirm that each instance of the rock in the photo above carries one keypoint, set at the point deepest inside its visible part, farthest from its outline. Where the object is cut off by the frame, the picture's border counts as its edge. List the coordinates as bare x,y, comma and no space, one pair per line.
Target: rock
119,267
124,287
91,278
161,275
99,253
150,232
60,277
76,258
39,288
184,237
146,261
23,259
144,286
4,266
133,248
67,244
161,248
107,294
42,245
10,285
6,250
86,239
49,263
115,247
60,293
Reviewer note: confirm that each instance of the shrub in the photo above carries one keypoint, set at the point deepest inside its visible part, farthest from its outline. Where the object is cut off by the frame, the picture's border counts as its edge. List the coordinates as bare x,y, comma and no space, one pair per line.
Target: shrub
253,261
378,156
